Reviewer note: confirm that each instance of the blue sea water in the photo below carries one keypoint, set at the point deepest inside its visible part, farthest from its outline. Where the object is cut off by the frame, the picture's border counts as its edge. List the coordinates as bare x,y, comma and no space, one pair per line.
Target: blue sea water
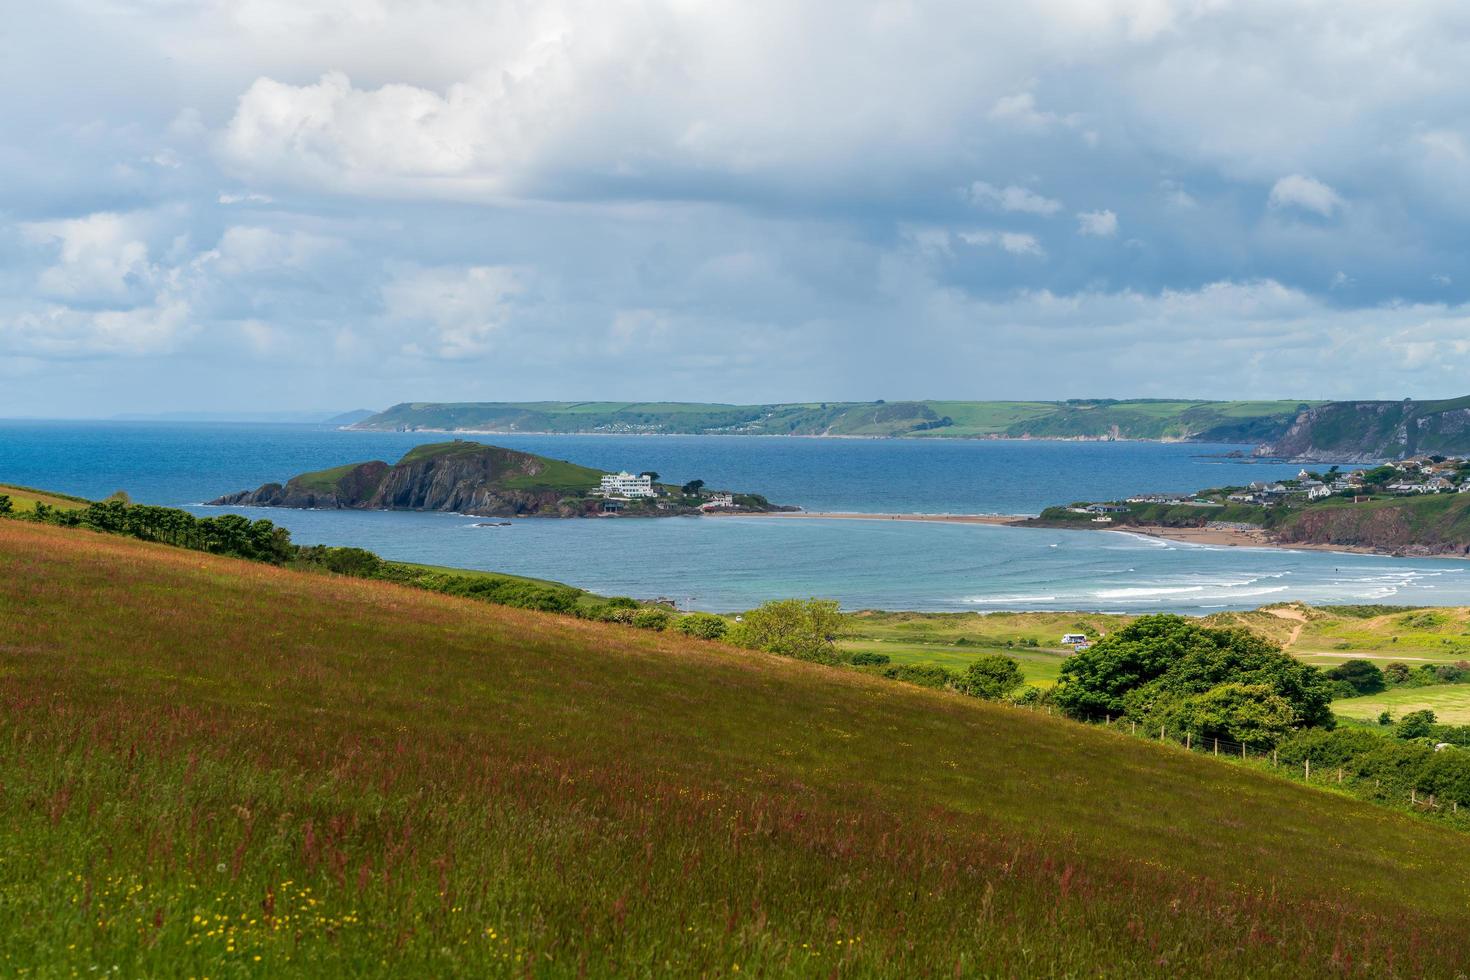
734,563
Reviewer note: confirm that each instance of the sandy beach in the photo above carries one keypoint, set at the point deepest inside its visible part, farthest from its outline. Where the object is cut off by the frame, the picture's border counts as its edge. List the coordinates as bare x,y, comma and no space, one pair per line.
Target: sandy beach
1215,537
1012,520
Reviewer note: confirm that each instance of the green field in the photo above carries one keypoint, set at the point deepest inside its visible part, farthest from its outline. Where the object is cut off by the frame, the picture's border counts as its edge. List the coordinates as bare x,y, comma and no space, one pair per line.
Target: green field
954,640
214,767
1449,702
23,500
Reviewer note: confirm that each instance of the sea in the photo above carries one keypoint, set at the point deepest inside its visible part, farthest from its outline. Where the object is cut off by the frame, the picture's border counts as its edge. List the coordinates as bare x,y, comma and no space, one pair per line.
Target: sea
726,564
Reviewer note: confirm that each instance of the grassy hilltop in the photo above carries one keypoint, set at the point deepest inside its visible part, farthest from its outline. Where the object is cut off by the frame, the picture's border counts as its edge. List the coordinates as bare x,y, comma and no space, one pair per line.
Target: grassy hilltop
218,767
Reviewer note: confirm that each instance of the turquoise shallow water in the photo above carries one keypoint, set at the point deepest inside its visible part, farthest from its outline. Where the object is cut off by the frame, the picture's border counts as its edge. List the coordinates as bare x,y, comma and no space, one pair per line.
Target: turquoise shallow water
735,563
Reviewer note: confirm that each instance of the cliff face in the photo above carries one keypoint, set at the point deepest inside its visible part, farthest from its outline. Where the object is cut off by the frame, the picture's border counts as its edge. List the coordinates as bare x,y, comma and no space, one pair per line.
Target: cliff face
1362,432
465,478
1430,525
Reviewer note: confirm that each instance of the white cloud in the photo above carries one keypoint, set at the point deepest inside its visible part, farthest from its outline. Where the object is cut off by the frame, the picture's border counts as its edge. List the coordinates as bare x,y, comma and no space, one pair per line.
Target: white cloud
1017,243
458,312
1098,224
1011,198
243,197
1019,109
102,257
245,249
1305,193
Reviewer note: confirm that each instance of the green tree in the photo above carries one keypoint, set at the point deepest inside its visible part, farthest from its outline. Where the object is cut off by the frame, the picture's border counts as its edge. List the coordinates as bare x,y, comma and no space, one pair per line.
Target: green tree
651,619
992,677
1360,676
1149,666
5,505
651,474
807,629
692,487
705,626
1253,714
1416,724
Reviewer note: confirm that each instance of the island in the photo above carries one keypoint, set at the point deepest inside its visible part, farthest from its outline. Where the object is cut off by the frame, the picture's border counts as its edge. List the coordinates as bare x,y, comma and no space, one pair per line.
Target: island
491,481
1418,506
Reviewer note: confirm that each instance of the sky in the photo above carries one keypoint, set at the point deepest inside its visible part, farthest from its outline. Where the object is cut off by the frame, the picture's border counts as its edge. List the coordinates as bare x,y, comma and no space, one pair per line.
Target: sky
231,205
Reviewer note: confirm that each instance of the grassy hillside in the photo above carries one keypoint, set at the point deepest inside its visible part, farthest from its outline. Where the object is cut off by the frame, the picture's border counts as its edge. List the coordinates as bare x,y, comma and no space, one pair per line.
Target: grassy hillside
1095,419
221,768
24,499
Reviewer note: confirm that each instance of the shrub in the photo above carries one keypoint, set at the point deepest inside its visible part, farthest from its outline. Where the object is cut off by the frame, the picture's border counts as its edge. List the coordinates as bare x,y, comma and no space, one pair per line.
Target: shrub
1415,724
705,626
5,505
1358,677
866,659
1396,673
807,629
652,619
343,561
992,677
925,675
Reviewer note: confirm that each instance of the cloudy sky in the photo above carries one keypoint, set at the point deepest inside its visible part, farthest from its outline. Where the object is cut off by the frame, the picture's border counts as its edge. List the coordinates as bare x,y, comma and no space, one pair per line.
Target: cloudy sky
303,204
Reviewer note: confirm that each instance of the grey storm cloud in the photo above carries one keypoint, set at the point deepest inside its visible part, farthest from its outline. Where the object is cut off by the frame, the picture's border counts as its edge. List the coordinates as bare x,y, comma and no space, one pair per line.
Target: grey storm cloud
371,200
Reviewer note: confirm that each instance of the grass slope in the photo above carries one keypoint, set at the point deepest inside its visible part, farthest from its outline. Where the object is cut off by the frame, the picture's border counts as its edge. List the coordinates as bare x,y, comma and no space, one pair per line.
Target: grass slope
219,768
23,500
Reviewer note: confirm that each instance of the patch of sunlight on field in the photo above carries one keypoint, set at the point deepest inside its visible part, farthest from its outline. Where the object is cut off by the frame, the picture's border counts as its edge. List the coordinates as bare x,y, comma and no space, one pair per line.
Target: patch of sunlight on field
1449,702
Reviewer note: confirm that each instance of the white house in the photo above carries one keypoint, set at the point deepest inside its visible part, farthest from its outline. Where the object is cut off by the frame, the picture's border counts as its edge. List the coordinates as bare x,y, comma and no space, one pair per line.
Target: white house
1316,489
719,501
627,485
1072,639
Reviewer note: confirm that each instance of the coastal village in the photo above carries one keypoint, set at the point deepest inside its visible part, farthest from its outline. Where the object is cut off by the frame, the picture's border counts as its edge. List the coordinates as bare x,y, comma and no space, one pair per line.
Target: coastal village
1401,478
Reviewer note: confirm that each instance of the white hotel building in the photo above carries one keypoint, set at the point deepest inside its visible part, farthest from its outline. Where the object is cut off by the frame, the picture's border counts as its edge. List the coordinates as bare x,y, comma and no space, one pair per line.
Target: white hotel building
627,485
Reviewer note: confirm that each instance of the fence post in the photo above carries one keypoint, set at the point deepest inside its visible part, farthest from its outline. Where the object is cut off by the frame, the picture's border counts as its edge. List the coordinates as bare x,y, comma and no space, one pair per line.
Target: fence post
1135,727
1161,733
1306,768
1217,746
1339,775
1412,798
1242,750
1187,740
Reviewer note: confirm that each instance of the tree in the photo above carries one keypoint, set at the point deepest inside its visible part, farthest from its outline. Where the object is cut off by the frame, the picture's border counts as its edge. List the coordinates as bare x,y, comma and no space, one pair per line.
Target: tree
651,474
992,677
705,626
807,629
1396,673
650,618
1360,676
692,488
5,505
1253,714
1149,666
1416,724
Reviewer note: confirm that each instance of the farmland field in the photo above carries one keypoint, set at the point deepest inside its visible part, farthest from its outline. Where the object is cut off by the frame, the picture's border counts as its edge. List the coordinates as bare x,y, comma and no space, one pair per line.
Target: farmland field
212,767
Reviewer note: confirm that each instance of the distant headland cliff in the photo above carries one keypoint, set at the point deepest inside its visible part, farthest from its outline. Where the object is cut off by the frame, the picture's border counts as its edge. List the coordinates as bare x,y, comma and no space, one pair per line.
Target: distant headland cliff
490,481
1343,431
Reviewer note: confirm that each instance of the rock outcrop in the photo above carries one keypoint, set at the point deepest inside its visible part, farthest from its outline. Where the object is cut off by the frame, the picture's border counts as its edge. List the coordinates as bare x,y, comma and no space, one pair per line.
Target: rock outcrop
1369,431
462,477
